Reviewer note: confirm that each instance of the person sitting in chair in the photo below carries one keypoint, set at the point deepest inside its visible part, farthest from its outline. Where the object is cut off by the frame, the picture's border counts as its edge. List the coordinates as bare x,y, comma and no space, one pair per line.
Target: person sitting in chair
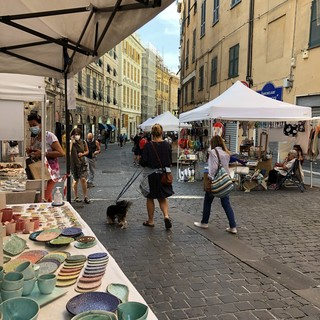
281,169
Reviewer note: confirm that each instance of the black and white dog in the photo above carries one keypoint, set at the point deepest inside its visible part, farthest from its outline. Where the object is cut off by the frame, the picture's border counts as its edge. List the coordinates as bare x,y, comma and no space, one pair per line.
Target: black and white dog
118,211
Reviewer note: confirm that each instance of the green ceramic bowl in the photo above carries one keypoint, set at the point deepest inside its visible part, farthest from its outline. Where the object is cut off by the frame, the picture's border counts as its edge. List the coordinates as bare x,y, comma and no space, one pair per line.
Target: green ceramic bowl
95,315
20,308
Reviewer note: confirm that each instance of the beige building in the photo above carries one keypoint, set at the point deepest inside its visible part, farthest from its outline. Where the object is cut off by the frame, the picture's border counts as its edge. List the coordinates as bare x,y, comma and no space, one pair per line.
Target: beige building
174,85
162,86
273,45
130,78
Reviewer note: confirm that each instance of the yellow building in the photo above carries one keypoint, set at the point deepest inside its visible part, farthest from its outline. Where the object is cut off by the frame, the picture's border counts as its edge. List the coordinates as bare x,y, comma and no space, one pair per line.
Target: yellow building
162,86
131,63
273,45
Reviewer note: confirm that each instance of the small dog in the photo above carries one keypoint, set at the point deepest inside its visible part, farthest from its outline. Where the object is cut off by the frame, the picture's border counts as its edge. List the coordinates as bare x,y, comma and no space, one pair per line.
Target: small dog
118,211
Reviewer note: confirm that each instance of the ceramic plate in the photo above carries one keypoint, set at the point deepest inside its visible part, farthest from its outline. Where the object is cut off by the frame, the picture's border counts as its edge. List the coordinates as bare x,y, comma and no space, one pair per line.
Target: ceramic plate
33,255
85,245
71,232
6,259
119,290
77,258
98,255
48,235
92,301
86,239
14,245
11,265
85,279
89,285
57,205
34,235
65,283
47,267
95,314
61,241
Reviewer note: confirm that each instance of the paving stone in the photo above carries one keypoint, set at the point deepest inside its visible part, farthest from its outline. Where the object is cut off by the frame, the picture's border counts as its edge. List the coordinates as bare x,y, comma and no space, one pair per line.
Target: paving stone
263,315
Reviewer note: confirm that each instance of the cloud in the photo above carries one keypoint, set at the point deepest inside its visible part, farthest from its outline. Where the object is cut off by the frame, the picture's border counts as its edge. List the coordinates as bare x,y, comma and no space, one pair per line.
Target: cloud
170,18
171,60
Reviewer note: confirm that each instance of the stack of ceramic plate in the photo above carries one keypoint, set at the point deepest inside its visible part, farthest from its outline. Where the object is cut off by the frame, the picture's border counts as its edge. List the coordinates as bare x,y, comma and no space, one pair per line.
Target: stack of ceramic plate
85,242
93,272
72,232
70,271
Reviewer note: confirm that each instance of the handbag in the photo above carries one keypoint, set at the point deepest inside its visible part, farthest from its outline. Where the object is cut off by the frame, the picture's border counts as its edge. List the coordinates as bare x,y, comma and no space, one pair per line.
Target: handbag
221,184
166,177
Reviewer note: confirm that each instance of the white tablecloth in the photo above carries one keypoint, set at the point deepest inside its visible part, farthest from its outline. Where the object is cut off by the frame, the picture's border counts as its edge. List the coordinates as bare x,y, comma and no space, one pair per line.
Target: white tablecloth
56,310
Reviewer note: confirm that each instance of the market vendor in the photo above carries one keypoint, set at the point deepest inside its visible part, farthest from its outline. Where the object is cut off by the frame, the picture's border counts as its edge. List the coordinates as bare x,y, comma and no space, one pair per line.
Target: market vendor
53,151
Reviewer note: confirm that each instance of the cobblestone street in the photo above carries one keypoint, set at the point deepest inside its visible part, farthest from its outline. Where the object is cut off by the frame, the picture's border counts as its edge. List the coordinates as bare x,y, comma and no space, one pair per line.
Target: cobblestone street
269,270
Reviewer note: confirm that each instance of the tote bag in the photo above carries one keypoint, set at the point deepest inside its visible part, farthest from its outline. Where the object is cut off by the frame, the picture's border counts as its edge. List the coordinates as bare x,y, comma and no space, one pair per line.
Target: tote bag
222,184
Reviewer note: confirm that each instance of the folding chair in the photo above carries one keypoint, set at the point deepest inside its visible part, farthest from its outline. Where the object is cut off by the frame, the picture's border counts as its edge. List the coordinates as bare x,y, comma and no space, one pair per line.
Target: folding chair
293,176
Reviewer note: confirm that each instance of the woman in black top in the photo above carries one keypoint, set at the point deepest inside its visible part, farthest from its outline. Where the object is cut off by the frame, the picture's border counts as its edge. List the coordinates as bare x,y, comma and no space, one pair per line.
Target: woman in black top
156,154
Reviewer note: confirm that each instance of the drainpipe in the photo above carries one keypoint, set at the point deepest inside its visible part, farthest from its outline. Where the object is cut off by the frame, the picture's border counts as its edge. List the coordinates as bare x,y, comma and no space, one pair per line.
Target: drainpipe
250,44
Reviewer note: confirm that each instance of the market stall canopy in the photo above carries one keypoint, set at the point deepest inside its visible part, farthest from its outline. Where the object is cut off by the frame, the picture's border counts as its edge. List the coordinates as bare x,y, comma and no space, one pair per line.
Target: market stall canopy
54,38
243,104
145,123
15,89
168,121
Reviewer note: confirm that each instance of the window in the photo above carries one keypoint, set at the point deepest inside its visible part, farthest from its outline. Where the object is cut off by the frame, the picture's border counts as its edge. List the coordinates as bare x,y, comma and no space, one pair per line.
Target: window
234,2
187,55
214,69
233,61
192,90
88,95
186,94
80,87
314,40
194,45
203,19
216,5
195,7
201,78
188,19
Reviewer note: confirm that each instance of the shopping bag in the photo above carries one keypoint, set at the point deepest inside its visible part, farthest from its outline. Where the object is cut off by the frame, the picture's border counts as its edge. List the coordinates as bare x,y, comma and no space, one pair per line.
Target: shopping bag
35,169
222,184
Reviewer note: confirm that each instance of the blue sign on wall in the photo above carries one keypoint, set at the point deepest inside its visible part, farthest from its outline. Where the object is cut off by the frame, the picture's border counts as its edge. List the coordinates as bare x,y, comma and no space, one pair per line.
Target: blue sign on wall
270,91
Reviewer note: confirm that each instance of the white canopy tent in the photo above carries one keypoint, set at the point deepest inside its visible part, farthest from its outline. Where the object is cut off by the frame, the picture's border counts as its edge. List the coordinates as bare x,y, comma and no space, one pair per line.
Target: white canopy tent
168,121
15,89
58,38
240,103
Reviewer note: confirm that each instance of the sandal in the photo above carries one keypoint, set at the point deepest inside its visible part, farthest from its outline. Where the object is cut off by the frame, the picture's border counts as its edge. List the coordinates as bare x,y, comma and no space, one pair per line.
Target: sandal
167,223
87,201
77,199
147,224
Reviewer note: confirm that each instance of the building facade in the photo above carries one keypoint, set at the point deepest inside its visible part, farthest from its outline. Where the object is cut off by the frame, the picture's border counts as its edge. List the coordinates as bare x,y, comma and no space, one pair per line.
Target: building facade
271,45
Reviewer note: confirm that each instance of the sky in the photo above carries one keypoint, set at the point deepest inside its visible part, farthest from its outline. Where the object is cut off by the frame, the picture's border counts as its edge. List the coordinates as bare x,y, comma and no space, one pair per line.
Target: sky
163,32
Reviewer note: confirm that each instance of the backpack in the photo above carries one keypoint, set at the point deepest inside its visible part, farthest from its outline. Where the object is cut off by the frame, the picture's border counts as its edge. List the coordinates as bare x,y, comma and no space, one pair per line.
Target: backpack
13,143
142,143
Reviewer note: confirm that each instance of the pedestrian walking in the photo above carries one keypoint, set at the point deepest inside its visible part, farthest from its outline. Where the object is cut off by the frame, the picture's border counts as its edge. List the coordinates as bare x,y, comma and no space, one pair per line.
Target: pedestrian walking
79,149
155,156
91,158
53,151
136,149
121,140
218,144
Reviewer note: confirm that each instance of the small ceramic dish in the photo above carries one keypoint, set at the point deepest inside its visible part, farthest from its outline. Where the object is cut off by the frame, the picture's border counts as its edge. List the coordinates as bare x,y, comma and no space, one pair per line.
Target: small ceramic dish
121,291
95,314
86,239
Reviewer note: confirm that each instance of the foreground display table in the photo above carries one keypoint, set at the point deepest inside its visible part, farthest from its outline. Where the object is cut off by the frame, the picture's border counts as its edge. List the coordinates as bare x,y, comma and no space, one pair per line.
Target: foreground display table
56,309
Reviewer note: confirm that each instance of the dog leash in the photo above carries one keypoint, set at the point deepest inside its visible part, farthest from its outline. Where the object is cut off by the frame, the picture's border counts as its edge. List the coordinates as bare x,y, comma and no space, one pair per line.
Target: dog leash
134,177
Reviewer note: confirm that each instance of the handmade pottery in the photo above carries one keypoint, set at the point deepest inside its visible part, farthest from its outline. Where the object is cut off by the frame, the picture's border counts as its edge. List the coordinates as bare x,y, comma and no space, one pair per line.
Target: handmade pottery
26,268
10,228
20,308
6,214
96,315
8,294
46,283
132,310
12,281
121,291
28,286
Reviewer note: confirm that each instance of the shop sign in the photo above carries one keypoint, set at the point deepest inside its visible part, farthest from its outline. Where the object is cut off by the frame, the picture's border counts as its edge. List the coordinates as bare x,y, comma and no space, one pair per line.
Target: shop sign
270,91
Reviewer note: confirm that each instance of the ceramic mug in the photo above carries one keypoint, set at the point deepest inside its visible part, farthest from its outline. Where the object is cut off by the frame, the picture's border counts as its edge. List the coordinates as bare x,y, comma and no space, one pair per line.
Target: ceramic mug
28,286
20,225
132,310
10,228
46,283
12,281
29,226
8,294
36,223
26,268
6,214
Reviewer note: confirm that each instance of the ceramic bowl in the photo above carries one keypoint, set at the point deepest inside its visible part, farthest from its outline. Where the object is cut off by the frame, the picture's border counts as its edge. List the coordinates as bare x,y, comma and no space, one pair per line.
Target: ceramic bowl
20,308
8,294
12,281
28,286
95,315
132,310
26,268
46,283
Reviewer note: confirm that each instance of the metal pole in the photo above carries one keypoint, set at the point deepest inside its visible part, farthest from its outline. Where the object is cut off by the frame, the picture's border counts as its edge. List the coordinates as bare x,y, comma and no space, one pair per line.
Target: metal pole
67,120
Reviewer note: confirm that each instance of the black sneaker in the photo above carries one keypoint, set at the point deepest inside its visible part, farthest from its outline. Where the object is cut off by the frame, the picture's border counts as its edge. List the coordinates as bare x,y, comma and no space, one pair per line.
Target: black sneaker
167,223
87,201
